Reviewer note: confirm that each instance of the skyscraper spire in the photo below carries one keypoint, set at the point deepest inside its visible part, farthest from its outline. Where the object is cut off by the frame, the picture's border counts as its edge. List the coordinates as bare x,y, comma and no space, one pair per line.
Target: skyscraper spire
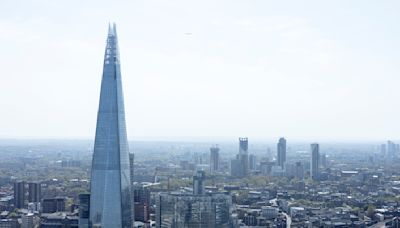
110,200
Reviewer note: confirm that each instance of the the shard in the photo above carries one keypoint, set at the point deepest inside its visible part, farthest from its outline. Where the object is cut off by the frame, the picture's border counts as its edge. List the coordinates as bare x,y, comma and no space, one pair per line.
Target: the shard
110,199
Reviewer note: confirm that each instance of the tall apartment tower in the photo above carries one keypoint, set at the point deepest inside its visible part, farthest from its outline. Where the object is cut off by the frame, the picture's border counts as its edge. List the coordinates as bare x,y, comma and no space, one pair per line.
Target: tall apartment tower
243,155
19,194
34,192
281,152
110,189
198,183
214,159
314,171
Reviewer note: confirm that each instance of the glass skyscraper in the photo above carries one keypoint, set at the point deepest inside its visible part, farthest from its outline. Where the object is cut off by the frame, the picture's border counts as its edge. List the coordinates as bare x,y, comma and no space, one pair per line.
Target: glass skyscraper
110,198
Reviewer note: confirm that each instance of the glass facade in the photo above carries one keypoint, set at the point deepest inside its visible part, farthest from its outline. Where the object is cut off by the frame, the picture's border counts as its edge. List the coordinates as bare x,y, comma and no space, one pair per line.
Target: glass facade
110,199
185,211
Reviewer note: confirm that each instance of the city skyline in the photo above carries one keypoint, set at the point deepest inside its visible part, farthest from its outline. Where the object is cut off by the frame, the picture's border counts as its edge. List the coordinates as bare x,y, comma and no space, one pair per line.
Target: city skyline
313,71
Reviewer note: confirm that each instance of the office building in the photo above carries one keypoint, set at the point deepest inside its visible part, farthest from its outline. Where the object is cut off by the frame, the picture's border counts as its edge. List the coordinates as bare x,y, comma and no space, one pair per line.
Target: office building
51,205
236,168
214,159
9,223
240,165
281,152
243,155
314,163
176,210
34,192
299,170
391,150
252,162
19,194
323,161
59,220
110,196
28,220
142,203
198,183
84,206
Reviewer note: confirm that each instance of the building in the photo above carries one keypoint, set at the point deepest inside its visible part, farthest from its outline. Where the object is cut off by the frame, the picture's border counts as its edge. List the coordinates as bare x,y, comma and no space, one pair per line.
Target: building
281,152
131,174
391,150
131,170
299,170
141,195
59,220
19,194
243,155
84,206
51,205
198,183
236,168
176,210
314,163
214,159
269,212
110,197
323,161
34,192
240,165
28,220
9,223
252,162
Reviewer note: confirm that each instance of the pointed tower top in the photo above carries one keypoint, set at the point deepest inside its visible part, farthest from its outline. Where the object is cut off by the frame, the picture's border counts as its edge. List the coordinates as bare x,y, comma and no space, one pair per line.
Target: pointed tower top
112,29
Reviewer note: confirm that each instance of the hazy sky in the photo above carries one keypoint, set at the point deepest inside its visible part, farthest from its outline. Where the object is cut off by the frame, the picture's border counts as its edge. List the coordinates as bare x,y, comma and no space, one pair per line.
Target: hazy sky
217,68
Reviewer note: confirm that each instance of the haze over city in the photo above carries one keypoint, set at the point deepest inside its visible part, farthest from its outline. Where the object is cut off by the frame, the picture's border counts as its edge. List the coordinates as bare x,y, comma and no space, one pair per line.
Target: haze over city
309,70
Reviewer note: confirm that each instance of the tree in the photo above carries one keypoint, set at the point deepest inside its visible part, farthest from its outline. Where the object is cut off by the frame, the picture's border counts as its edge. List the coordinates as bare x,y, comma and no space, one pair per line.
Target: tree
371,210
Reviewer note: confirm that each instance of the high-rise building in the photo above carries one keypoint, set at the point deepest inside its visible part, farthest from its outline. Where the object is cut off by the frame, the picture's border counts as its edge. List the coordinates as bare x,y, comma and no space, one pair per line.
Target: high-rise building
142,203
198,182
240,165
299,170
236,168
176,210
19,194
214,159
252,162
34,192
243,155
391,150
84,206
281,152
323,161
314,164
110,197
